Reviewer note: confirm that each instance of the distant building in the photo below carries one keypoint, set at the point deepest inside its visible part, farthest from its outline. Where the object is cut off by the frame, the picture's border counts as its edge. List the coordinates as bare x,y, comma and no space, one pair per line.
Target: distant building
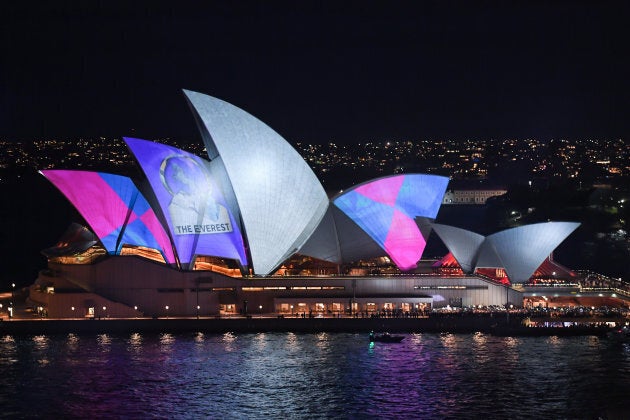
471,195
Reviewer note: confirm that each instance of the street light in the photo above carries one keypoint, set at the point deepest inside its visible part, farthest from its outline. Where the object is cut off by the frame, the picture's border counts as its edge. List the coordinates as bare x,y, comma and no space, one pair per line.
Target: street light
260,307
198,311
12,292
291,310
166,307
105,311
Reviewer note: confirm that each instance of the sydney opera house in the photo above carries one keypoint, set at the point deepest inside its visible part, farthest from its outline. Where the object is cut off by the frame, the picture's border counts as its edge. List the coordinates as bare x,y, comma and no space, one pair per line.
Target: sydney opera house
251,230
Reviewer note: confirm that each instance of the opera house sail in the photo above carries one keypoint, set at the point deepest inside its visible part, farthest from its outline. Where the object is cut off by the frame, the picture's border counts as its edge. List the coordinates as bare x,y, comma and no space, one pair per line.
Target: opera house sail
523,249
280,199
192,203
463,244
386,216
114,208
520,250
388,209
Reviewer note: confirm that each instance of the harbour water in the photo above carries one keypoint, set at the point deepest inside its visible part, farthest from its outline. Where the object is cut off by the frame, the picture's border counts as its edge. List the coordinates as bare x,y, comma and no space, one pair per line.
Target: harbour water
325,375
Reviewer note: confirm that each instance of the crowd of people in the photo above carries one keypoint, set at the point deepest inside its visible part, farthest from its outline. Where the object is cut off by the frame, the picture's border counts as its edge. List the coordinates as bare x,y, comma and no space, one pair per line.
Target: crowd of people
599,282
538,312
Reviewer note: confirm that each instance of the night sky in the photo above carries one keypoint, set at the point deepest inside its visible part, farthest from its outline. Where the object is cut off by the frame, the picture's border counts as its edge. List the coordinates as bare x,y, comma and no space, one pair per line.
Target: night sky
339,71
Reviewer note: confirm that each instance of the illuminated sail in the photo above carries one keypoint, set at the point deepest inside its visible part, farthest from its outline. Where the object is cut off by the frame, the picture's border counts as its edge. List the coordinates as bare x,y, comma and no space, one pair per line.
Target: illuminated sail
114,208
520,250
389,209
281,201
193,205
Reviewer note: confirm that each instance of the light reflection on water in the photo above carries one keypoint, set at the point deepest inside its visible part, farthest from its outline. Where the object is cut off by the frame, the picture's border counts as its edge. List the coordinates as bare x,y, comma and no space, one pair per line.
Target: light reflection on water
273,375
72,342
8,351
135,341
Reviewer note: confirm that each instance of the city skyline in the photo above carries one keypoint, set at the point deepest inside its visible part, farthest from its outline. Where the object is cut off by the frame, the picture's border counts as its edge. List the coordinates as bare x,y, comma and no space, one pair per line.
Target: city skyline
508,161
318,73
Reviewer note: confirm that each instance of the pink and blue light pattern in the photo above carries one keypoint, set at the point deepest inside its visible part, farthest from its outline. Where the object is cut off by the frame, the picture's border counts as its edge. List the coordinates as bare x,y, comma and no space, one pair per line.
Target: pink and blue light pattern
387,207
171,170
114,208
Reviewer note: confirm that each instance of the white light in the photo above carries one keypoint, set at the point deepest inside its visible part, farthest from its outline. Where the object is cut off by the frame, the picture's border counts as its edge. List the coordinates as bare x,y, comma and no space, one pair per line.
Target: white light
135,308
166,307
104,308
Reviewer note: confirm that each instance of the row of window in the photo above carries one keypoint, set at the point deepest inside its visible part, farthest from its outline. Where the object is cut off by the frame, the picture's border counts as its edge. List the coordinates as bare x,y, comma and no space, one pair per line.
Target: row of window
272,288
250,289
266,288
450,287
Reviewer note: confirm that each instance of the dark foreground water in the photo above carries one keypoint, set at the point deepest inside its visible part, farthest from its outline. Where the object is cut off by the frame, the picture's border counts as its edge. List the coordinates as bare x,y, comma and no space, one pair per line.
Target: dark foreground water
286,375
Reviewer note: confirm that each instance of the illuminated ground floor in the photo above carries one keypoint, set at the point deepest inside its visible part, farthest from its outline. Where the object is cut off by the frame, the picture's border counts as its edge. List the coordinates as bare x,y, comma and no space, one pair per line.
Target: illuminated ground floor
130,287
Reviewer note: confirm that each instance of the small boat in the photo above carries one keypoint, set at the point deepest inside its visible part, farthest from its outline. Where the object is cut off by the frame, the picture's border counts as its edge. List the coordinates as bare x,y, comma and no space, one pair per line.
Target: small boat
385,338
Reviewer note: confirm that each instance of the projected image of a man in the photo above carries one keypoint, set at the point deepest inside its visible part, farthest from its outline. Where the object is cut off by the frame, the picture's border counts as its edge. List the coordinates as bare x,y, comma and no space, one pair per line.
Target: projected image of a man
194,208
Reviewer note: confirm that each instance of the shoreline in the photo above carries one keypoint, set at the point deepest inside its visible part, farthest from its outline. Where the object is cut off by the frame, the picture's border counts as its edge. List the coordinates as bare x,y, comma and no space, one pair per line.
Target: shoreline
446,324
243,325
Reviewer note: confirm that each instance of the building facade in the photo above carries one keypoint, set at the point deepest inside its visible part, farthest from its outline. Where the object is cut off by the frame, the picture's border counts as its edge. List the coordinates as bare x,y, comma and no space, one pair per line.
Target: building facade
199,236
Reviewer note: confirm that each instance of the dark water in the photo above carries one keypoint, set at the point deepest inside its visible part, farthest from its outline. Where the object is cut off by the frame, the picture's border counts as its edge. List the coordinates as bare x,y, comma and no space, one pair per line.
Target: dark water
286,375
